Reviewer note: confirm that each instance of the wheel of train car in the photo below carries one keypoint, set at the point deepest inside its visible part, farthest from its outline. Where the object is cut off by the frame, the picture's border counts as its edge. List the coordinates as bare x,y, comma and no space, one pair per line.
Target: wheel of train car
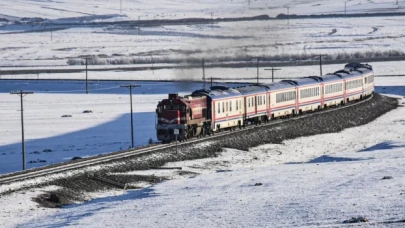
203,132
239,125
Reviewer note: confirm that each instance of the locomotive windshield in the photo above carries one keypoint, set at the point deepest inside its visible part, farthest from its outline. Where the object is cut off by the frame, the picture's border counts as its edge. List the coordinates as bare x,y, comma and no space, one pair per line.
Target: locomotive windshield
173,107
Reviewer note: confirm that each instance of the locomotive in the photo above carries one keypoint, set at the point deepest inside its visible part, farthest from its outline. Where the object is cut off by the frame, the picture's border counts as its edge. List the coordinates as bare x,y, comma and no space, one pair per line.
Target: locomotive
207,111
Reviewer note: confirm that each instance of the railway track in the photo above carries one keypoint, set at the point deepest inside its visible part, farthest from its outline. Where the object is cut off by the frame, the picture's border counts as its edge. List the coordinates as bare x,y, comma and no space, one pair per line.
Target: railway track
78,164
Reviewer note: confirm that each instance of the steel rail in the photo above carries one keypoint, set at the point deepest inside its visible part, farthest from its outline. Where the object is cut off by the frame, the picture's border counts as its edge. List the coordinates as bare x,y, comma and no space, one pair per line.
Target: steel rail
74,165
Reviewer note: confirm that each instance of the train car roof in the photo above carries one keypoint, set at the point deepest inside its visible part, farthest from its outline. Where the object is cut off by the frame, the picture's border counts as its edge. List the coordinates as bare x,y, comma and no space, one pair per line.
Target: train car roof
218,92
357,69
280,85
311,80
358,66
332,77
252,89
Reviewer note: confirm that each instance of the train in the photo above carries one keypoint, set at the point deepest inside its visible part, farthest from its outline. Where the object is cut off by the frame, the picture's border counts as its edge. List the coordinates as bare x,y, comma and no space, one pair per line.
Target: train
218,108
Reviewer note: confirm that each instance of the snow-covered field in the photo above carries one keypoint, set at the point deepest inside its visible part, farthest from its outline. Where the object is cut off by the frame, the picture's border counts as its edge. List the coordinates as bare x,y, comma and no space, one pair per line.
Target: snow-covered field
220,75
125,44
165,9
320,180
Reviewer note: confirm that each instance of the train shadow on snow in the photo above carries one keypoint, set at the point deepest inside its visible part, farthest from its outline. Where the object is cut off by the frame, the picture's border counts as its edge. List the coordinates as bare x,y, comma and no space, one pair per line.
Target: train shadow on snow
108,137
383,146
394,90
327,159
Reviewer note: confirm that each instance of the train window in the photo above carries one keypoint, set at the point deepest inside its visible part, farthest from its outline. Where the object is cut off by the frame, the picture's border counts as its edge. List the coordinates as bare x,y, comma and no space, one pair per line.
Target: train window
253,103
223,107
240,104
230,106
219,107
227,107
248,102
237,107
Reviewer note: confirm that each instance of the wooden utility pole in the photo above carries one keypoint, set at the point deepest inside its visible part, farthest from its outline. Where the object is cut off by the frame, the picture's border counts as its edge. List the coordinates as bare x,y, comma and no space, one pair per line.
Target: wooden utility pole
22,94
203,72
320,62
345,7
131,87
87,85
257,67
272,73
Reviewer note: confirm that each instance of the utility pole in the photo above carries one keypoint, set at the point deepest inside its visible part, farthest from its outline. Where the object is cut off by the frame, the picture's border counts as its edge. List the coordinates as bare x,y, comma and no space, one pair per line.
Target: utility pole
87,85
120,6
212,80
51,35
320,61
272,73
22,94
257,67
345,8
151,60
288,15
131,87
203,72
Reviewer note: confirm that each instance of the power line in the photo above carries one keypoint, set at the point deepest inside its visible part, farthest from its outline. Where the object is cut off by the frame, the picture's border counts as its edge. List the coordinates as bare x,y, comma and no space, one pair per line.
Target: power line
78,90
22,94
131,87
272,73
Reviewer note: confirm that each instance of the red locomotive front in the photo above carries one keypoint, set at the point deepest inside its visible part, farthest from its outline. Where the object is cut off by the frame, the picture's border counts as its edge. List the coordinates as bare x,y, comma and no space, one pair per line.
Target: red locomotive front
188,114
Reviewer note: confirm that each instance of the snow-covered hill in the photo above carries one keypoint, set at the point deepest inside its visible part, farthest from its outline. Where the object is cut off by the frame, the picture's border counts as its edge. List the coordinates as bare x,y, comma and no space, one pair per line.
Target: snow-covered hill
171,9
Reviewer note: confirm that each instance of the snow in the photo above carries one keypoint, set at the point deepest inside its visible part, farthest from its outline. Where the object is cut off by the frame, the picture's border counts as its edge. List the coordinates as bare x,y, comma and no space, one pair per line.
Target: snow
310,181
320,180
123,43
221,75
82,135
107,128
97,10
